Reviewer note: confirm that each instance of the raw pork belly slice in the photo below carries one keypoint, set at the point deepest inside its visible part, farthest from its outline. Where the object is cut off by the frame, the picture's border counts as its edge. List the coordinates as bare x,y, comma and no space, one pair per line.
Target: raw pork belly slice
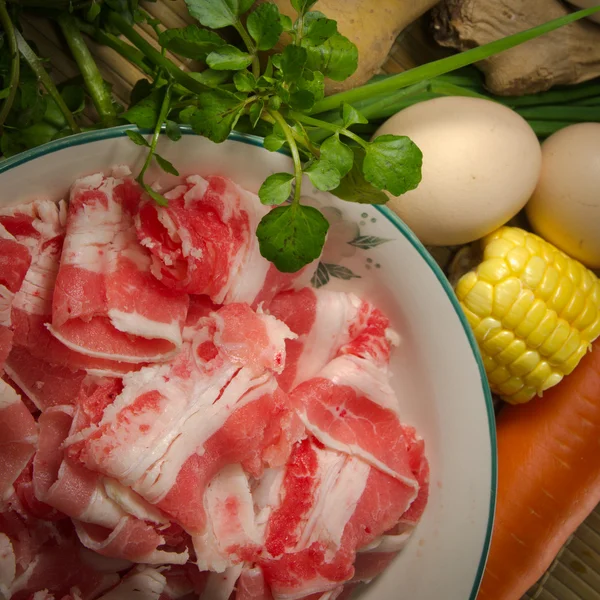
176,425
331,505
329,324
350,407
18,438
106,303
204,242
252,585
14,264
45,384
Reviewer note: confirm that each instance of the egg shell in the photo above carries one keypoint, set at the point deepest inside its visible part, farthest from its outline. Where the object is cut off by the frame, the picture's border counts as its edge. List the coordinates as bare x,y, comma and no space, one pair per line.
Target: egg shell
565,207
481,163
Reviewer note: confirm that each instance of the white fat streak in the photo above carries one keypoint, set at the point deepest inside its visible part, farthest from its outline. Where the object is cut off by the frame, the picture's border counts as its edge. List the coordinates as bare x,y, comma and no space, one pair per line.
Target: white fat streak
6,300
8,565
156,557
5,235
20,582
30,392
8,396
103,564
314,586
248,271
146,584
136,324
111,356
131,502
220,586
364,377
196,192
333,594
335,313
120,171
338,496
231,483
199,426
165,218
267,497
388,543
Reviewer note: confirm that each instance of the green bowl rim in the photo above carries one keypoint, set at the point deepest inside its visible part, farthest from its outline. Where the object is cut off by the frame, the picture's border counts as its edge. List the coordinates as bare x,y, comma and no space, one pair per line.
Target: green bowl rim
253,140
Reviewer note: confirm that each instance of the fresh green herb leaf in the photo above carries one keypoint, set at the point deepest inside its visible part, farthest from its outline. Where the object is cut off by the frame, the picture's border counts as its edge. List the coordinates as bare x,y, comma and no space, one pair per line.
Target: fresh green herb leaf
275,140
145,113
172,130
337,58
255,112
228,58
323,175
141,90
355,188
292,236
211,78
317,28
302,100
185,115
275,102
218,13
156,196
393,163
351,116
293,59
301,6
165,165
244,81
276,188
286,23
137,138
264,25
191,41
264,82
313,82
338,154
216,115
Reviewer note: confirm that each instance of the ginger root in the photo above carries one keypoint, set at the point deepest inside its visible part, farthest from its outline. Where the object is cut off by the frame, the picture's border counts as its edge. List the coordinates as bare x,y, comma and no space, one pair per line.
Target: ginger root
568,55
372,25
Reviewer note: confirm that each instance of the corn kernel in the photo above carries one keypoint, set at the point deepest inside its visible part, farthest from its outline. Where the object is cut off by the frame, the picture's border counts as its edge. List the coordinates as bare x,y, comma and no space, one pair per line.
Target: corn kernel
511,352
517,259
496,343
562,295
525,394
525,363
493,270
534,272
498,376
547,325
537,377
505,294
498,248
549,283
479,299
567,348
552,381
512,386
519,309
487,328
532,319
556,339
466,284
574,307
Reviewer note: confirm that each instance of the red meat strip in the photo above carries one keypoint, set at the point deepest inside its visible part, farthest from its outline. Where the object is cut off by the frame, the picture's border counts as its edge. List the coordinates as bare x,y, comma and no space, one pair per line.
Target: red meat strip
204,242
18,438
14,264
332,504
45,384
175,426
106,303
329,324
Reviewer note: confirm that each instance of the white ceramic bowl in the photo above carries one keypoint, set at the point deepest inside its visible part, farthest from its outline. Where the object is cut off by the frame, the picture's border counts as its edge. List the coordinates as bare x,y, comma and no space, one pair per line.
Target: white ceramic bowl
438,374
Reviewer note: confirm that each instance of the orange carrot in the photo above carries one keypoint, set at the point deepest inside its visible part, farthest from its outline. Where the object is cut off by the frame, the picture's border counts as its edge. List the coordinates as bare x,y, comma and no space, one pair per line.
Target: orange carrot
548,479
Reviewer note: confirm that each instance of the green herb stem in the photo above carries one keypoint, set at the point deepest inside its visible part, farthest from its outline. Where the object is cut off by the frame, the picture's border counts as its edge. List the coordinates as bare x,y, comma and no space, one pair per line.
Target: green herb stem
561,113
127,51
162,116
95,85
444,65
553,97
289,136
155,56
36,66
15,62
251,48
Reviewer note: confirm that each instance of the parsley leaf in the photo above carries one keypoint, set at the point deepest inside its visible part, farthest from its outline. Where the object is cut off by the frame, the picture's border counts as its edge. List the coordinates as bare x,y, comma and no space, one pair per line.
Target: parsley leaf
244,81
145,113
351,116
302,6
323,175
218,13
217,114
172,130
276,188
264,25
336,58
355,188
165,165
292,236
191,41
228,58
338,154
317,28
255,112
275,140
393,163
137,138
293,59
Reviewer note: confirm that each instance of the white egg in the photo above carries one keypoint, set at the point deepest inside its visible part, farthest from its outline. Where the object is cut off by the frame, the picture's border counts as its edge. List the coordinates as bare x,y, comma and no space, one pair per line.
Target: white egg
565,207
481,163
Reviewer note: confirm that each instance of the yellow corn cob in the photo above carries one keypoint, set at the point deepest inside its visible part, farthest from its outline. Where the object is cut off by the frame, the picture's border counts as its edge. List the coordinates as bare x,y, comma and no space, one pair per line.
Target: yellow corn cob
534,312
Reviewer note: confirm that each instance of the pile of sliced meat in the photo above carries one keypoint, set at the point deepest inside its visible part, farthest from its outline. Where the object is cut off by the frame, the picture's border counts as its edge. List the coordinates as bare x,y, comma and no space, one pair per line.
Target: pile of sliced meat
180,420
